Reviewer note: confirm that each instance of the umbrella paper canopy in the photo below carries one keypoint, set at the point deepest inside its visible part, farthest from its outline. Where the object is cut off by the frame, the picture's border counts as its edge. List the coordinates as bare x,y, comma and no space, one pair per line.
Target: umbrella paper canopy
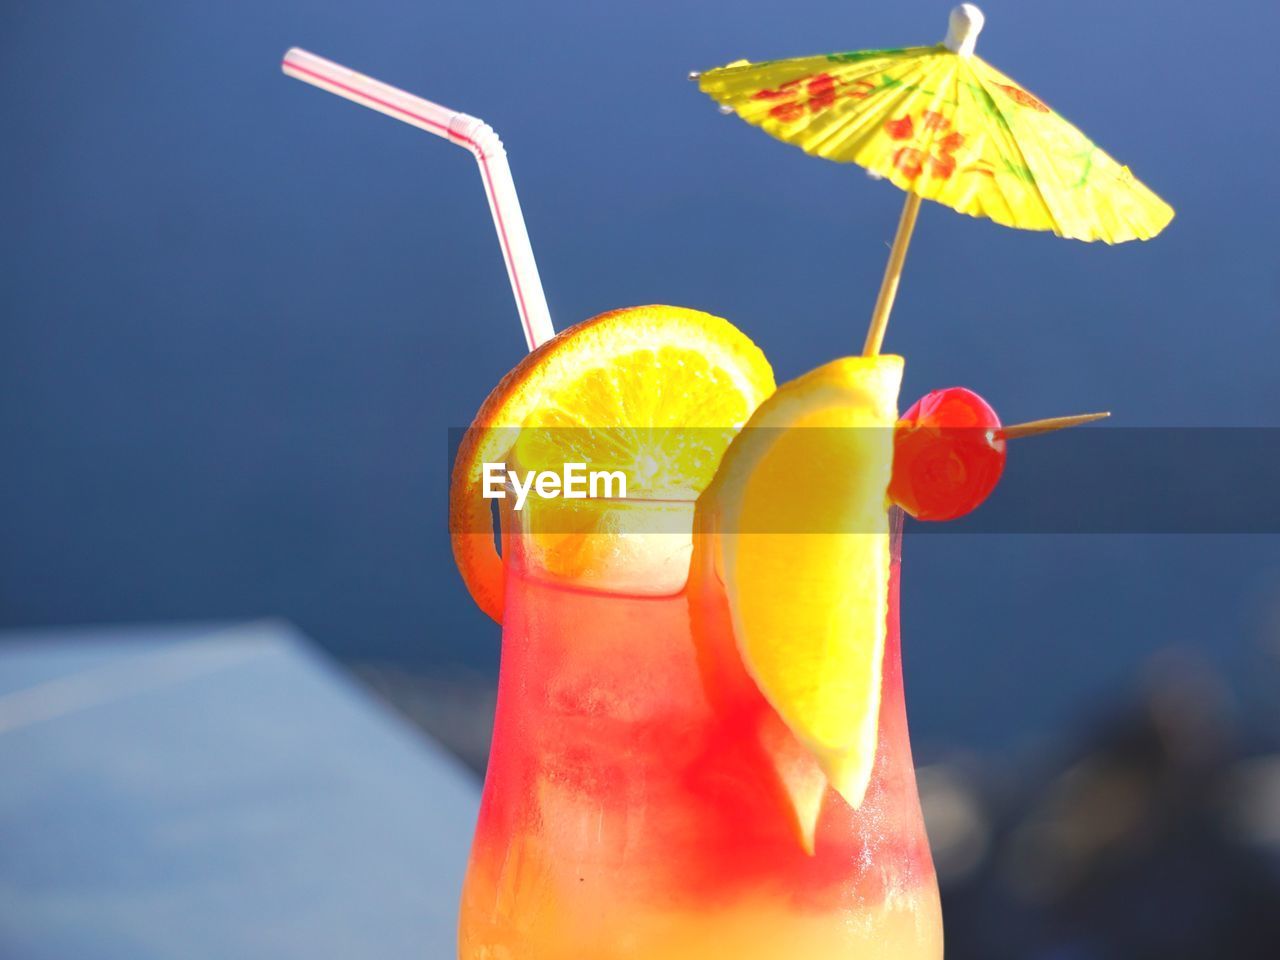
942,124
945,125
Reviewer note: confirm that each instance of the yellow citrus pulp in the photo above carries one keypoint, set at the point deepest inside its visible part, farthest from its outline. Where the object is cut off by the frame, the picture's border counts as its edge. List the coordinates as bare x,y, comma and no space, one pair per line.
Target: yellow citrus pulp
655,391
800,507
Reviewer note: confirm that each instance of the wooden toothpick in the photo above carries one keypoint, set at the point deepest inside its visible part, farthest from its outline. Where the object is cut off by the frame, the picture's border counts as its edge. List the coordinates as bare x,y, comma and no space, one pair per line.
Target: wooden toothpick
1033,427
892,275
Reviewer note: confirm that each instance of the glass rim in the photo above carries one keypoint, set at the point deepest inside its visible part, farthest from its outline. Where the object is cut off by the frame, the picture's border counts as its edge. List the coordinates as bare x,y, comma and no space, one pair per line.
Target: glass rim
896,513
509,490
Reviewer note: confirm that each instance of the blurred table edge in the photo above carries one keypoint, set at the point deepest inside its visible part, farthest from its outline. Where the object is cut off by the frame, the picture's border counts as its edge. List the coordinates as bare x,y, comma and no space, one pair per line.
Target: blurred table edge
217,790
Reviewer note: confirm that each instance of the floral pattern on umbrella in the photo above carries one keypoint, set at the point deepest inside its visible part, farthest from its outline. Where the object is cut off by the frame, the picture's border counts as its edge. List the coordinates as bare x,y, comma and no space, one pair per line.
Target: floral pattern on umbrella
977,141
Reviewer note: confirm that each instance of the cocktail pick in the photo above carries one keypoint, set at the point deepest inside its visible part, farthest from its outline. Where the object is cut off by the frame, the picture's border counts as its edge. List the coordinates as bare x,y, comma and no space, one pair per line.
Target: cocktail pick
1034,428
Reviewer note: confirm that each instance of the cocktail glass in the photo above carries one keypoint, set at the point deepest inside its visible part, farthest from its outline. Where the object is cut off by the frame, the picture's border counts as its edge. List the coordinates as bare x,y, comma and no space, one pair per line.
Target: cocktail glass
630,809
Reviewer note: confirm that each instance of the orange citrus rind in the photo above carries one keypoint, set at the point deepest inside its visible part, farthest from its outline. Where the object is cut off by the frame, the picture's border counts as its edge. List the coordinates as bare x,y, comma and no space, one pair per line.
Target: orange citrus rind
616,390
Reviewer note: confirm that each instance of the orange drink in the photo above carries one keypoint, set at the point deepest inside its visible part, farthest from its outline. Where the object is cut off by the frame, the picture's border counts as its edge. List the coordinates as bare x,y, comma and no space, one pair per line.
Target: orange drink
700,746
630,810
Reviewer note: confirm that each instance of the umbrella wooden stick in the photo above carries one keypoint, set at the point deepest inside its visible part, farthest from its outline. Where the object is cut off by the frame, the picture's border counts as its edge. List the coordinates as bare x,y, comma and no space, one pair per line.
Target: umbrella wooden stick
892,275
1033,427
962,33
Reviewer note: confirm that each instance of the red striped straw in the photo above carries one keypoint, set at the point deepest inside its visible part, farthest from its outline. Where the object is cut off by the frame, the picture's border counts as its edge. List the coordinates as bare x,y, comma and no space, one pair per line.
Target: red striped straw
466,131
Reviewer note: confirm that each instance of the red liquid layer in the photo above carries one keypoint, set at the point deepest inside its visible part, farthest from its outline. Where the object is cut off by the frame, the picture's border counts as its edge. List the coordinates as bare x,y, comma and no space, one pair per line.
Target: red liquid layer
631,811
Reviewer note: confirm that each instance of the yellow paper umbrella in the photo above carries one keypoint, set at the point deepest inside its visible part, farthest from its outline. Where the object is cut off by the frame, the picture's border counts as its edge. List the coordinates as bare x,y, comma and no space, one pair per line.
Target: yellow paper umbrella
943,125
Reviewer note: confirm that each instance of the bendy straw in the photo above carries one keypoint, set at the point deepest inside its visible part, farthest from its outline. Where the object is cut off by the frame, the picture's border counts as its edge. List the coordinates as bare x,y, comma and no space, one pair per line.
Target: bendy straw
466,131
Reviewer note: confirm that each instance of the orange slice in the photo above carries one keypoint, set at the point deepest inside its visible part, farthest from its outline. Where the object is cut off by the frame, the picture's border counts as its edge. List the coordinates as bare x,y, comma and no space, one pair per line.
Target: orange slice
655,391
801,510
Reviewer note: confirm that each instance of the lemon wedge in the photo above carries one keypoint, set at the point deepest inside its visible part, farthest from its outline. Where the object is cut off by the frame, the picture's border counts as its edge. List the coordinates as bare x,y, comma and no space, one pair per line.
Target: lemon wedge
800,510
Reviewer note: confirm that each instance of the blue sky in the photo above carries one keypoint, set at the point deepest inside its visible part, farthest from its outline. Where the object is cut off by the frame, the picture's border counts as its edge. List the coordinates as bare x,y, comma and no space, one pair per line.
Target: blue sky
238,316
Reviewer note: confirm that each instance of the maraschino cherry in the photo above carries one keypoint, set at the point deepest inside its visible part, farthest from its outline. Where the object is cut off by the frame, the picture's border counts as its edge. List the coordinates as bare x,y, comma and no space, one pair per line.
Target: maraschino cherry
948,455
